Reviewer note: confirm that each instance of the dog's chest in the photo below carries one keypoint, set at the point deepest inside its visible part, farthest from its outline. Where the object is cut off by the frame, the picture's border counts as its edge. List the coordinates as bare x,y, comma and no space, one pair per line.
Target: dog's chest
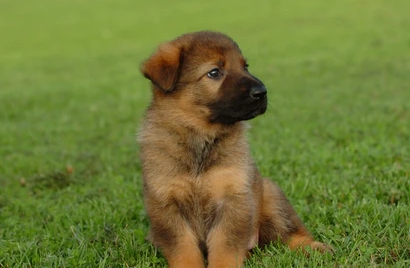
202,156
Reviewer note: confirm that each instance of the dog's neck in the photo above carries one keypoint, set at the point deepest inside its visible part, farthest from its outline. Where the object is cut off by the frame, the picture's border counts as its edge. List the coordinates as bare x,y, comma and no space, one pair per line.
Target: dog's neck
196,135
204,149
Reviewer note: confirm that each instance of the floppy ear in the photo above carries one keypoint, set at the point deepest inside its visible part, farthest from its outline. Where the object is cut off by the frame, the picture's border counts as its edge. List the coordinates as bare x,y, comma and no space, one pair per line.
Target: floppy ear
164,66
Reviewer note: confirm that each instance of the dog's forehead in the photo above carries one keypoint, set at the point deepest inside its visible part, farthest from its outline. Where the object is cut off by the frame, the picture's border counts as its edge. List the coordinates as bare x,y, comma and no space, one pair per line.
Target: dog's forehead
215,47
217,53
207,37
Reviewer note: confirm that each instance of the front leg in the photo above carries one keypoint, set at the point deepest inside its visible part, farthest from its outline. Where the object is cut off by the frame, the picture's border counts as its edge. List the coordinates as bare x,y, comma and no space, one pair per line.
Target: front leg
229,239
234,218
171,232
177,241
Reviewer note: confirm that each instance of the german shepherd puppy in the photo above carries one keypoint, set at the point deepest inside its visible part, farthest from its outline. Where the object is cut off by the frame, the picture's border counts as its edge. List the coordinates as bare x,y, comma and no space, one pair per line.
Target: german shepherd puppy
203,193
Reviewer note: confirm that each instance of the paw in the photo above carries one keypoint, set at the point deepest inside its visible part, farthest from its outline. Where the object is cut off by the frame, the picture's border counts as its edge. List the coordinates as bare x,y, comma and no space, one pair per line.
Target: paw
321,247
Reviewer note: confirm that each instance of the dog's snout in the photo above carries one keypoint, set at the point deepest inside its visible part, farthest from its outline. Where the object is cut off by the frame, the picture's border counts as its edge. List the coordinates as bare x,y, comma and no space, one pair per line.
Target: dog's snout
257,92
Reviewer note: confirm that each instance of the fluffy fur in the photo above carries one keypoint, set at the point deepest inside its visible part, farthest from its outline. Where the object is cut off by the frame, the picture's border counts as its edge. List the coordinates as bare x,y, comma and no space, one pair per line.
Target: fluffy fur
203,193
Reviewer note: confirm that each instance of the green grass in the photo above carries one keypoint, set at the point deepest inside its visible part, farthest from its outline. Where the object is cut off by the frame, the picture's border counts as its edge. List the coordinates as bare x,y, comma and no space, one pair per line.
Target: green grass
336,136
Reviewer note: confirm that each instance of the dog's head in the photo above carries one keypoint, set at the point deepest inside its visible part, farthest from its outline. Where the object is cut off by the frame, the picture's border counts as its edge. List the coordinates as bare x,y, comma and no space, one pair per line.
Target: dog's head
207,69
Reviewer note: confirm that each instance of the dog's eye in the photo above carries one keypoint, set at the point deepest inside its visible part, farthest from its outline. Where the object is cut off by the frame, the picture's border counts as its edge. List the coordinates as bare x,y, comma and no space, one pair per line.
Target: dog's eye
215,73
246,66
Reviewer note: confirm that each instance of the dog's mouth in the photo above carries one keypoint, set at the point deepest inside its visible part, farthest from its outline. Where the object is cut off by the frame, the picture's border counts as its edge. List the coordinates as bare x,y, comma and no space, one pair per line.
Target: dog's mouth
259,109
248,116
226,114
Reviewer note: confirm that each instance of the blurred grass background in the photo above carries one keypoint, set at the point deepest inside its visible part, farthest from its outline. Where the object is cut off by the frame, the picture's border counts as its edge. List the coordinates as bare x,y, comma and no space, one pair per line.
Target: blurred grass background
336,136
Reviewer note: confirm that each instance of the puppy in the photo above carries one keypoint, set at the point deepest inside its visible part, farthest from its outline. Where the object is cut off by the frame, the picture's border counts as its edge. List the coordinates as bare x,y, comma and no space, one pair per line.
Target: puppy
203,194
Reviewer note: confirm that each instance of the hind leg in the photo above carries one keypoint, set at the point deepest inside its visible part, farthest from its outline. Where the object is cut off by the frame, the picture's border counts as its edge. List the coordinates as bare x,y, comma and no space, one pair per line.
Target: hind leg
279,221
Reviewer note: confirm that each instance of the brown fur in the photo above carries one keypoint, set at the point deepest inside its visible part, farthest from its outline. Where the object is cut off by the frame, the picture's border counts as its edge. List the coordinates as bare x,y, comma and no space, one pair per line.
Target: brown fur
203,193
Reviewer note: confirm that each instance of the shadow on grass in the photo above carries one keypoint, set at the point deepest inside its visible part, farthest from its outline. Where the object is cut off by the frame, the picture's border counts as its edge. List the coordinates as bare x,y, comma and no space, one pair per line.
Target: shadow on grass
54,180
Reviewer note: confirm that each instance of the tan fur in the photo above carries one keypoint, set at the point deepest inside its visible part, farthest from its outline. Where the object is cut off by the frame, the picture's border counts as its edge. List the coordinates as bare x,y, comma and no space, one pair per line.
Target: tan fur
202,191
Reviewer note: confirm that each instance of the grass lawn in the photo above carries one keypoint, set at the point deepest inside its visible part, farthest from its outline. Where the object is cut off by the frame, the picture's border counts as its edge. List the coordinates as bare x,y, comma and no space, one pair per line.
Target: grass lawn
336,136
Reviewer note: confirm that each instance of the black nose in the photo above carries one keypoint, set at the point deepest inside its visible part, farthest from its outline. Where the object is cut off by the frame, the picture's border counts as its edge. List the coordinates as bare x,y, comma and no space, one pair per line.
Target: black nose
257,92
